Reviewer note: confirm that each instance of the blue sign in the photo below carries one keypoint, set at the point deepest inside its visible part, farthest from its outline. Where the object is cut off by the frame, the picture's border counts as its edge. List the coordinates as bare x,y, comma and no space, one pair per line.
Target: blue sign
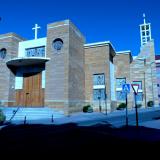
126,88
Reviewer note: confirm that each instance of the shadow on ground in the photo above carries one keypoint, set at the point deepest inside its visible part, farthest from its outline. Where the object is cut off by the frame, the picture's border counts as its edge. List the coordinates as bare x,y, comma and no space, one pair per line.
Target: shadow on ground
73,139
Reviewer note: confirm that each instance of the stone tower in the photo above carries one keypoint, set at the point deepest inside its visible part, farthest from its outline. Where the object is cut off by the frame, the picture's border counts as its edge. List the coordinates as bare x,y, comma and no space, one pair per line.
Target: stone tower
65,77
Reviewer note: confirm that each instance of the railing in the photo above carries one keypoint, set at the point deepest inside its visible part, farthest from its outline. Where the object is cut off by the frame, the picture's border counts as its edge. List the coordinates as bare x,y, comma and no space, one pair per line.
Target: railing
15,111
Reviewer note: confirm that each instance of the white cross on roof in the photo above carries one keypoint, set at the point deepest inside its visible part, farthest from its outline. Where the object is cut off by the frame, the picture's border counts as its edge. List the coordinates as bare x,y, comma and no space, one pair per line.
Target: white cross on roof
36,30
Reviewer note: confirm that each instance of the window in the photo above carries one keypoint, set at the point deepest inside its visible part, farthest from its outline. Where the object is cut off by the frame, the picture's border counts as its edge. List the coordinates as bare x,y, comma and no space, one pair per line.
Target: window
3,53
99,94
121,96
98,79
139,96
35,52
57,44
120,82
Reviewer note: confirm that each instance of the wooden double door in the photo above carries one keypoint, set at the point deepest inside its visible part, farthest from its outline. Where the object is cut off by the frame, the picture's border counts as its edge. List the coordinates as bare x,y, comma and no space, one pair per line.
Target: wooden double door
32,94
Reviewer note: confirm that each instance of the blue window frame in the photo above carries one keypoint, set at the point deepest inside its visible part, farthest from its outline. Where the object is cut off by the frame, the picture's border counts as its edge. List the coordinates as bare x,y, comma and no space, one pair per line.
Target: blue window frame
99,79
120,82
35,52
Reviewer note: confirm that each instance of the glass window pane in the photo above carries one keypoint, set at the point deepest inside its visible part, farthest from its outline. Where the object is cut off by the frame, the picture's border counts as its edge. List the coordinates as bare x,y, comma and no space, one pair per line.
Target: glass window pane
41,52
98,79
120,82
121,96
139,96
35,52
98,94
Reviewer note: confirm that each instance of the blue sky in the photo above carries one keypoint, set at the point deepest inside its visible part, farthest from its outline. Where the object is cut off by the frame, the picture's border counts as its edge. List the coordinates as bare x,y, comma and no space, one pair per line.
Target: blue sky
99,20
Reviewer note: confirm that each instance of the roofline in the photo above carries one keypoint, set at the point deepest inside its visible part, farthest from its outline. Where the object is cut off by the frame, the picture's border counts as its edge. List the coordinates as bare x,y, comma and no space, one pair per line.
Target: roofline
99,44
104,43
123,52
12,34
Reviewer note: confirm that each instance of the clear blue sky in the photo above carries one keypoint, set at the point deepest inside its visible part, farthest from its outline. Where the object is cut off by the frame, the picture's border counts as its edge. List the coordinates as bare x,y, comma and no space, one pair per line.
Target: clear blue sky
99,20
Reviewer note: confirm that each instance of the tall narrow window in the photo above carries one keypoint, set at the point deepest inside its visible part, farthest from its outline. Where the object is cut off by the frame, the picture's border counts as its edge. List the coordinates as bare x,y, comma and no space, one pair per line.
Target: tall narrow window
3,53
119,93
99,89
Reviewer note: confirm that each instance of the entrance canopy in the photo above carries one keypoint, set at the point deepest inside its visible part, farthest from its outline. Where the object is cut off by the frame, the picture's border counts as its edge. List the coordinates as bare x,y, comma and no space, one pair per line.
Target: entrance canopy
26,61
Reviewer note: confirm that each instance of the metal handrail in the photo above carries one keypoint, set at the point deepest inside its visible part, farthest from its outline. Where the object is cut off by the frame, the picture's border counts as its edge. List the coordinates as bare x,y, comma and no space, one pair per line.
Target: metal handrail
14,113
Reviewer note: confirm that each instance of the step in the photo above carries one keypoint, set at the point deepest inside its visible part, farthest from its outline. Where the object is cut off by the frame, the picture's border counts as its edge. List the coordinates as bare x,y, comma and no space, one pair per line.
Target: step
32,113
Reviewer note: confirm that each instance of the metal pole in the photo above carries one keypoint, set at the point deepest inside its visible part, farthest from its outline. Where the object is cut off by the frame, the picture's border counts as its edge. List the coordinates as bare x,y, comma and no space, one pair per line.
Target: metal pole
126,110
100,104
136,110
106,102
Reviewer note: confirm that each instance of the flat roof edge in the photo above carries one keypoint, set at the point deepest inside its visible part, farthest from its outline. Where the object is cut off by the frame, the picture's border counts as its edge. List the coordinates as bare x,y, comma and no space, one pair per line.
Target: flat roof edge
96,44
123,52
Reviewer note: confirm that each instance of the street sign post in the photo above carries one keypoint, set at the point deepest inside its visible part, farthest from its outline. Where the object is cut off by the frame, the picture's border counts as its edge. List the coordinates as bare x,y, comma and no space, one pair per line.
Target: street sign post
126,90
135,89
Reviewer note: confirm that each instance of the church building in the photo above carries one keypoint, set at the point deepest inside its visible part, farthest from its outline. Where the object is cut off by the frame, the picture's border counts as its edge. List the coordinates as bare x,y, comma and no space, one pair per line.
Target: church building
62,71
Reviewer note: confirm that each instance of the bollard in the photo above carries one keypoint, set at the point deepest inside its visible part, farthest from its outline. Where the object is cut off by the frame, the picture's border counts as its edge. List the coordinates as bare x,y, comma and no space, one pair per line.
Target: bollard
25,120
52,119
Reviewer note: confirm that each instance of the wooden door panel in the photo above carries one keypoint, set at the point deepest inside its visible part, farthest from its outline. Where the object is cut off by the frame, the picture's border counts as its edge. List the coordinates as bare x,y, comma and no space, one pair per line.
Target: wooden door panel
32,94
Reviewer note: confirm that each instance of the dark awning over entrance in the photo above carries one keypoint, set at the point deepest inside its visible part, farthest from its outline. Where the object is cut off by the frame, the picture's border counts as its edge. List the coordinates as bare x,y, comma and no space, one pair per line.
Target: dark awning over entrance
26,61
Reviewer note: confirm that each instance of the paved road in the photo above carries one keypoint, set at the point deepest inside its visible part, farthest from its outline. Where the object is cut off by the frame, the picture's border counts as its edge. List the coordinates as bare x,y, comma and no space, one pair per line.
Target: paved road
147,117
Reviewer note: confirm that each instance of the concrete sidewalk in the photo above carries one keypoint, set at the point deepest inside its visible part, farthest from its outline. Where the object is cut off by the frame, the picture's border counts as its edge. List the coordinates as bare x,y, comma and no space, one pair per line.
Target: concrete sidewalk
151,124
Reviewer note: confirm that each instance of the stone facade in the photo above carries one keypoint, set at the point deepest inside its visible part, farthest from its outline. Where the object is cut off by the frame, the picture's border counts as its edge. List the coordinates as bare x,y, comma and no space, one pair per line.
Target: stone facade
10,42
65,71
143,68
70,70
97,60
122,62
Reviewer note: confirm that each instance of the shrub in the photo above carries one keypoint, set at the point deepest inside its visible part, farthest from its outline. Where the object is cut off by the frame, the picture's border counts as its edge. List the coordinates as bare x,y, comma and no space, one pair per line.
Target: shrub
87,108
121,106
139,105
150,103
2,117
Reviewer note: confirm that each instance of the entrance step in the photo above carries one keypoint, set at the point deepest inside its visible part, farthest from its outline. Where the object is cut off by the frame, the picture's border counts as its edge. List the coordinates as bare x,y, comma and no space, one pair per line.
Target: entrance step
32,113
